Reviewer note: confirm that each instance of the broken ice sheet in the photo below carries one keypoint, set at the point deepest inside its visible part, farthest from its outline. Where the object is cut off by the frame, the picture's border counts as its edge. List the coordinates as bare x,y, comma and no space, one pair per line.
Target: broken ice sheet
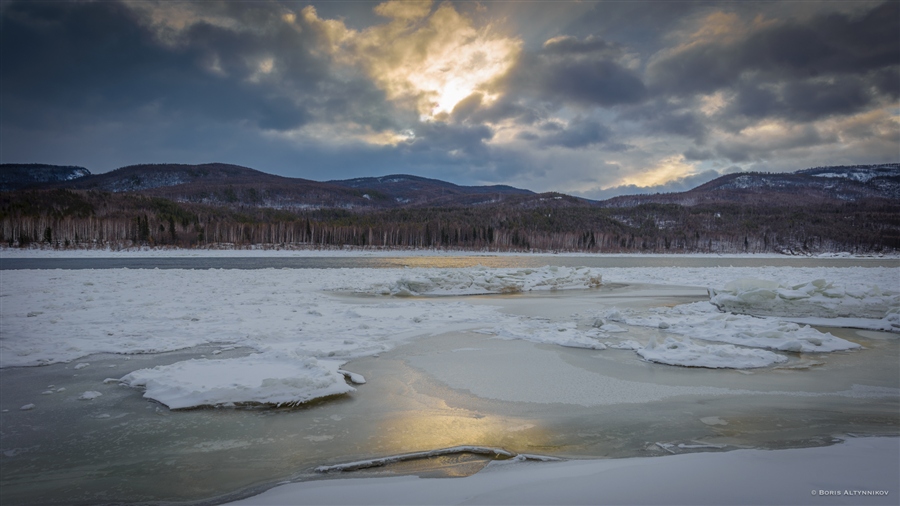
261,378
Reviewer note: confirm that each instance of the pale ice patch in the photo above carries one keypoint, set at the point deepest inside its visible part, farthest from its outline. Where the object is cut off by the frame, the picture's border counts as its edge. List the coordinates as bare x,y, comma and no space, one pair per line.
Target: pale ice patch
482,280
151,311
263,378
715,356
318,439
215,446
701,320
890,323
818,298
89,395
542,331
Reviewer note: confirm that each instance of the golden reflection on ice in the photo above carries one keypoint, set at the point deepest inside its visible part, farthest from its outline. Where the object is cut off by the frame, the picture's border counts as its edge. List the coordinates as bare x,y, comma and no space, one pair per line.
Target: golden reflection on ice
425,430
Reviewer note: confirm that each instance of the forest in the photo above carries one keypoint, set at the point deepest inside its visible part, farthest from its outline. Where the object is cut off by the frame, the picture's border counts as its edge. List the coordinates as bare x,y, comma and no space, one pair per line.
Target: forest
64,218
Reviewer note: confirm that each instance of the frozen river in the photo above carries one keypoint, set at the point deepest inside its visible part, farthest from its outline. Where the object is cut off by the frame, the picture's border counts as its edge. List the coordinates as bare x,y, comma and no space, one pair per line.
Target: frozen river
450,357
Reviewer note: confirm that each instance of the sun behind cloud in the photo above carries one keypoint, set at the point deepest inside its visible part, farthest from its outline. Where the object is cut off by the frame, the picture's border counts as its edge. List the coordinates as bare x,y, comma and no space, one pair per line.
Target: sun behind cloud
430,61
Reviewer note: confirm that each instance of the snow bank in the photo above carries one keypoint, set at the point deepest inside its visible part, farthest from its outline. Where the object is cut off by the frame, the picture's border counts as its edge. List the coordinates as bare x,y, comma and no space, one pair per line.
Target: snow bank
701,320
689,354
793,476
818,298
481,280
256,379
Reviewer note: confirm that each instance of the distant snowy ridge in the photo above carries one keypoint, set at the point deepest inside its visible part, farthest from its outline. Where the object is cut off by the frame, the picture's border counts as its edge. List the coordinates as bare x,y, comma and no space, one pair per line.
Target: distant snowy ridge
14,176
861,173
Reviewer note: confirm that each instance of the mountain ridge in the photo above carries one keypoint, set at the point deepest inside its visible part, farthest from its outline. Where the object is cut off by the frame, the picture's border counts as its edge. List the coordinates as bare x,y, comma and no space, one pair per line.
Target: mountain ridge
831,209
234,185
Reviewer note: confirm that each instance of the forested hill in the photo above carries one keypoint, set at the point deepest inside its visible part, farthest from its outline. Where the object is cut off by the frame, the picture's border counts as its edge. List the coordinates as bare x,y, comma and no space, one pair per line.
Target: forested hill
853,208
804,187
14,176
221,184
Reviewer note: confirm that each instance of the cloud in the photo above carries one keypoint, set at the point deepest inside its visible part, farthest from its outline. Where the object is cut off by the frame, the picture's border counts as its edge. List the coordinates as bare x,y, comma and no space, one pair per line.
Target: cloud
770,140
63,62
578,133
798,69
588,72
428,60
723,49
575,97
681,117
675,185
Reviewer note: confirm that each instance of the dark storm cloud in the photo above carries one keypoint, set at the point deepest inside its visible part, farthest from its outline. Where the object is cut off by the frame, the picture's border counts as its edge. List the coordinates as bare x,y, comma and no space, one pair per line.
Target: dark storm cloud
639,25
668,117
579,72
694,154
739,150
439,139
579,133
803,100
794,51
103,60
509,107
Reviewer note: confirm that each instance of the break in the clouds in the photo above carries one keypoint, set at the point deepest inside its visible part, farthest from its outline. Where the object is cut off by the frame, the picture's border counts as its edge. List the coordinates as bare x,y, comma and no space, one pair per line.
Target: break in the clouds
593,99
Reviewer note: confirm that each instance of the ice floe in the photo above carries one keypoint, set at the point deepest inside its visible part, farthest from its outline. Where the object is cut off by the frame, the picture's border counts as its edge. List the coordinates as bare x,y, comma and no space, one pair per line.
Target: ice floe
481,280
89,395
715,356
255,379
702,320
818,298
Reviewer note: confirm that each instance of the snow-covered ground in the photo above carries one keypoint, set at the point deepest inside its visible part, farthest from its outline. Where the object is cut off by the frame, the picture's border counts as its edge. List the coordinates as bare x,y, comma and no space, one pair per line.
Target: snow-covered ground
856,471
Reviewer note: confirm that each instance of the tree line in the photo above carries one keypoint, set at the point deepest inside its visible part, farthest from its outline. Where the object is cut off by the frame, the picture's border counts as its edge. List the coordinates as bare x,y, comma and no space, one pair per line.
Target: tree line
94,219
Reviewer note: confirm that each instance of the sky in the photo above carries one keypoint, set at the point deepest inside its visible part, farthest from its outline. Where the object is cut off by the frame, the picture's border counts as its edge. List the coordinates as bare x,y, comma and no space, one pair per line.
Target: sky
587,98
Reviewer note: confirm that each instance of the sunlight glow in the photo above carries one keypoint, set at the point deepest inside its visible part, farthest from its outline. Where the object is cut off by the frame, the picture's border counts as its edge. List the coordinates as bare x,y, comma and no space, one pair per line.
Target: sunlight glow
429,60
667,169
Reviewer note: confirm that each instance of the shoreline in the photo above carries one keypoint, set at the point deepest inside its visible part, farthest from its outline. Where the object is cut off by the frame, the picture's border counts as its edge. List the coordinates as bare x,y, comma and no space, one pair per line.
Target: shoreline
147,252
855,470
